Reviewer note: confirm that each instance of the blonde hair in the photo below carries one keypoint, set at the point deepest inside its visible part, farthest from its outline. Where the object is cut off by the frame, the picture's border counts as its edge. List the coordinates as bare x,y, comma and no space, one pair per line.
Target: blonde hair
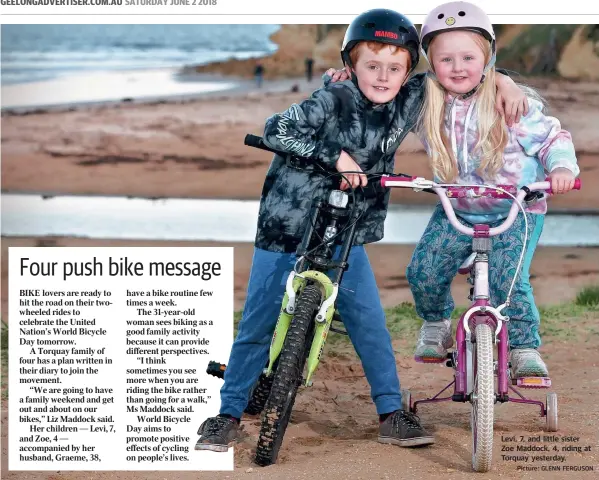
492,131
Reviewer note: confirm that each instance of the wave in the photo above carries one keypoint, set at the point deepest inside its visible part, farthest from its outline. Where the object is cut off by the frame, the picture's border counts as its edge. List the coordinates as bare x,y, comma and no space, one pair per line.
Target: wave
49,51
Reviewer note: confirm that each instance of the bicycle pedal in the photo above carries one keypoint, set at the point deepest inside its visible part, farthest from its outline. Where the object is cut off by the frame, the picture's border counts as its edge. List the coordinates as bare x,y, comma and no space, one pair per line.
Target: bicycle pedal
532,382
216,369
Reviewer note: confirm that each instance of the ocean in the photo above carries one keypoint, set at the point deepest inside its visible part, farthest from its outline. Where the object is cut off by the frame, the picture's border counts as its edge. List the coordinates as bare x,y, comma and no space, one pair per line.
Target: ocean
54,64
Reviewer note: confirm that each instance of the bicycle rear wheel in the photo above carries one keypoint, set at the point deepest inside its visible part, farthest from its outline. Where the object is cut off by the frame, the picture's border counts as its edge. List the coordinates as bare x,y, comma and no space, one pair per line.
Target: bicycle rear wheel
288,377
483,400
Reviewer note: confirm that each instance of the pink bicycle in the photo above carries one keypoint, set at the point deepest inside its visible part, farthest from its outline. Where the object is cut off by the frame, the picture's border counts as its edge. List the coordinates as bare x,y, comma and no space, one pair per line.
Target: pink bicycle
481,326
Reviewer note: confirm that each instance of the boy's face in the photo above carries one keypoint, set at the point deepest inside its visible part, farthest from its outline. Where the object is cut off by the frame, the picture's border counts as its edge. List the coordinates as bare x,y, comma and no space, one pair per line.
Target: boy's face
380,74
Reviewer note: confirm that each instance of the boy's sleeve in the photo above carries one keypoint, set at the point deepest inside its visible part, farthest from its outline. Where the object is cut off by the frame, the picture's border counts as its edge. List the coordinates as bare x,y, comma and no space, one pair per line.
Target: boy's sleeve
413,98
542,136
295,131
416,81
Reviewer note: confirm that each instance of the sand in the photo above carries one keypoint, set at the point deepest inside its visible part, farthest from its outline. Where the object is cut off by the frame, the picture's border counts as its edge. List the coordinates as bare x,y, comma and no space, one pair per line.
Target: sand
194,148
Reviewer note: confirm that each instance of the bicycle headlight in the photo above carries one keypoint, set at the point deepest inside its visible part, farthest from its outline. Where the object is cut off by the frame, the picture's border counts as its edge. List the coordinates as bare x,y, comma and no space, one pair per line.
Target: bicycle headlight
338,198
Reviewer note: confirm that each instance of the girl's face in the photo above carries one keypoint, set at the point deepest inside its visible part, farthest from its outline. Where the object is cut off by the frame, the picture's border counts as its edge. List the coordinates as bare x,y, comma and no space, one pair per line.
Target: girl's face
458,60
380,74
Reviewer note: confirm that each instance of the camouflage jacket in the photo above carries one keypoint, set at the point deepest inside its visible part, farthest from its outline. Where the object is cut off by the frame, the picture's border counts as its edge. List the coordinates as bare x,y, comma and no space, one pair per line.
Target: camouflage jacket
336,117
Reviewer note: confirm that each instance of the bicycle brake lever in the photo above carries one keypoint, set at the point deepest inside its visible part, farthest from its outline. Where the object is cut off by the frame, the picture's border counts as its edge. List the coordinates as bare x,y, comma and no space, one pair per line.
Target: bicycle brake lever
422,184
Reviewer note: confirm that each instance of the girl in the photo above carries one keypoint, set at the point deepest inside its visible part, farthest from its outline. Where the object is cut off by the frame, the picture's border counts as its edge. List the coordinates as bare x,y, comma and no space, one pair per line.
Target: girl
469,143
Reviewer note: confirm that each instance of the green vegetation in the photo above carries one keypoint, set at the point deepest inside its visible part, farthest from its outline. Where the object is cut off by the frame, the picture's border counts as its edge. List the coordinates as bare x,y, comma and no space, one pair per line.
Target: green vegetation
566,321
588,297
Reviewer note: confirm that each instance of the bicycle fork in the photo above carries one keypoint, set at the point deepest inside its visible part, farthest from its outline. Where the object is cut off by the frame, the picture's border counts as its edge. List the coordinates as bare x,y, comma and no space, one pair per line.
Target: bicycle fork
323,319
481,311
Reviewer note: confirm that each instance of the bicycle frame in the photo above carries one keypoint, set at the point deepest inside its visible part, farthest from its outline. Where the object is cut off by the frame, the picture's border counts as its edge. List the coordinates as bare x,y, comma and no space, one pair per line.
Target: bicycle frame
311,267
313,271
481,310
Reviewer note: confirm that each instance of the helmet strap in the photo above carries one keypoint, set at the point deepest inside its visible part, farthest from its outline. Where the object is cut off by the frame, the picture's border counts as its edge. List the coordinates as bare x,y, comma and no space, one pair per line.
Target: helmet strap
473,91
491,63
485,71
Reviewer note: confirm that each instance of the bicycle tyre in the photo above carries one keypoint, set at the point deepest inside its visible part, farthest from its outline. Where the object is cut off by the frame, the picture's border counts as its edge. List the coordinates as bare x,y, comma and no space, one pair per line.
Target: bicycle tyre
483,404
260,394
287,378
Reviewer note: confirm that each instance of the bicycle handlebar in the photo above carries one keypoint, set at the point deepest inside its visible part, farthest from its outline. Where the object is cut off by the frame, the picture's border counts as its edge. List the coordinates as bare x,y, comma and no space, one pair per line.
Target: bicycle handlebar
257,142
445,192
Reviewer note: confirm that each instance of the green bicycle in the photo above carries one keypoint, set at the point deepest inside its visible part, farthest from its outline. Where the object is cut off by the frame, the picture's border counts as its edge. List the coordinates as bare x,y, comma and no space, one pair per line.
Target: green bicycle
307,312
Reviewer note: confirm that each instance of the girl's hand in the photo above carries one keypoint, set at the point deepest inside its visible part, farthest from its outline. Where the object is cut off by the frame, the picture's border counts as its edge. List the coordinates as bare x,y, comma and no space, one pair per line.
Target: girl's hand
337,75
562,180
511,102
347,164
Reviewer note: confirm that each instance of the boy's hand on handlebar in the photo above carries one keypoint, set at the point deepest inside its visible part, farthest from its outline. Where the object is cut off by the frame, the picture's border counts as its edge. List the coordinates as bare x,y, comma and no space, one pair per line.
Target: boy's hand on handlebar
337,75
347,164
562,180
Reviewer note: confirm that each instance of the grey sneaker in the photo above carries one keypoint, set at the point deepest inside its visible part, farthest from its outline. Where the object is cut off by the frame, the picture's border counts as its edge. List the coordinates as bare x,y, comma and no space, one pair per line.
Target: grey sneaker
217,434
434,340
527,362
403,428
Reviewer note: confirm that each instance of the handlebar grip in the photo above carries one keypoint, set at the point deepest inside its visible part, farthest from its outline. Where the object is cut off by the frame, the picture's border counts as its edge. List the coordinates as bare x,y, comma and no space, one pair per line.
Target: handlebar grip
577,184
256,142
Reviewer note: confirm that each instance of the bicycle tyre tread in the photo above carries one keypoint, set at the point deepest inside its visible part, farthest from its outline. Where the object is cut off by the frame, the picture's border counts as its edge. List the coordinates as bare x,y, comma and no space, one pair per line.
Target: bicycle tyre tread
287,378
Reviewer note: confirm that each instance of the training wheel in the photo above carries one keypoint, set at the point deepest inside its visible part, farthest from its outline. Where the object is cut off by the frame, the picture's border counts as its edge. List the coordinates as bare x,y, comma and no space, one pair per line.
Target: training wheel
406,400
551,413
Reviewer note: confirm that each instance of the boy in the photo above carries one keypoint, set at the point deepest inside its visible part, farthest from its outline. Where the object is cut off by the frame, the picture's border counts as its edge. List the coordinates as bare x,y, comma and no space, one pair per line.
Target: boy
350,126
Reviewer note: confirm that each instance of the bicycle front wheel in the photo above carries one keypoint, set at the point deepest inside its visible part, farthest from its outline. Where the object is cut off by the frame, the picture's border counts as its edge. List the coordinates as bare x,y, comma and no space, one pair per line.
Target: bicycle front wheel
483,400
288,377
260,393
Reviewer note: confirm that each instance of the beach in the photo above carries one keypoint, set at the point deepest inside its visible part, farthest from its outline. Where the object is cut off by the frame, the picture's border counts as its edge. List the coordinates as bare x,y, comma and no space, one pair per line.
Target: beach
192,147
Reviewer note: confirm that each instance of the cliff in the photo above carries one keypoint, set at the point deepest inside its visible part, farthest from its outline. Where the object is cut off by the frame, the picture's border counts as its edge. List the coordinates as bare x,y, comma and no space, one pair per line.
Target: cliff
566,51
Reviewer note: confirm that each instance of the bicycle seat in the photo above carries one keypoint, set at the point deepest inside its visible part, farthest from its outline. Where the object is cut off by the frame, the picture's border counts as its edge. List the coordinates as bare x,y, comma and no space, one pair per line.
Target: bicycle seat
465,267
